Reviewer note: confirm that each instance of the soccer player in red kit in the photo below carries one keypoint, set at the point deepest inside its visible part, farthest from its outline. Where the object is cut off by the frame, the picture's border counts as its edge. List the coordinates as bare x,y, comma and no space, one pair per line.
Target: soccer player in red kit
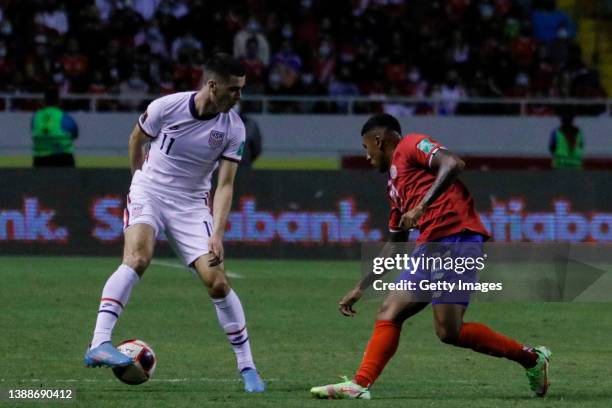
425,193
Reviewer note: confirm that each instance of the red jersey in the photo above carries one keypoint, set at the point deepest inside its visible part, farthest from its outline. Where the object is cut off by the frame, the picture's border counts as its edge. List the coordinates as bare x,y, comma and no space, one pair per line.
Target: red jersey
411,176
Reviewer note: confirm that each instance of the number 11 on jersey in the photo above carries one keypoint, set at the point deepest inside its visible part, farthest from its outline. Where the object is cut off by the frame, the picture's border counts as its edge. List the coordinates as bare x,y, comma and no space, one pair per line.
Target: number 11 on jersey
169,144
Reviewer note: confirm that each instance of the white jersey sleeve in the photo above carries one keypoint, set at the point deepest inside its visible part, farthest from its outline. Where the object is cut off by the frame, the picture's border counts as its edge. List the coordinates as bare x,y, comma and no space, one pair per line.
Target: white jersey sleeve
151,121
235,146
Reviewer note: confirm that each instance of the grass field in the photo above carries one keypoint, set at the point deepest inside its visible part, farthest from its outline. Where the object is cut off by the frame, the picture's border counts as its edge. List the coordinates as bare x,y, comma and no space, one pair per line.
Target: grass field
299,340
121,161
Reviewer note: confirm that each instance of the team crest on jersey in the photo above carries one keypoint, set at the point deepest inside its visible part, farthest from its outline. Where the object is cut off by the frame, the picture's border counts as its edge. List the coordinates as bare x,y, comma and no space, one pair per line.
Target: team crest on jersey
216,138
136,210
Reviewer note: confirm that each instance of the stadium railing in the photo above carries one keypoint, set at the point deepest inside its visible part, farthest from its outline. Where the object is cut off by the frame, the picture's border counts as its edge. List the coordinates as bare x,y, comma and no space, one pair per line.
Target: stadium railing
343,105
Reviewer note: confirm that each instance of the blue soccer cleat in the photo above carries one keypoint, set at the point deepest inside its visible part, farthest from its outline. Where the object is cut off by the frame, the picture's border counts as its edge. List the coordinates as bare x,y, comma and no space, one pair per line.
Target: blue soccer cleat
105,355
252,380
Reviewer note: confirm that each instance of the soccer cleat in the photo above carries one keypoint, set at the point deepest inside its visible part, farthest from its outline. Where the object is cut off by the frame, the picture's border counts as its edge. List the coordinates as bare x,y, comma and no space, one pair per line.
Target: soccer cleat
538,375
252,380
105,355
343,390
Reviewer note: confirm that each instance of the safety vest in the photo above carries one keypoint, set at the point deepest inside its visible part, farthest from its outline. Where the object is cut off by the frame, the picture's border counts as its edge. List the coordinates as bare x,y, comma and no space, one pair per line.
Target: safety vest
48,137
563,156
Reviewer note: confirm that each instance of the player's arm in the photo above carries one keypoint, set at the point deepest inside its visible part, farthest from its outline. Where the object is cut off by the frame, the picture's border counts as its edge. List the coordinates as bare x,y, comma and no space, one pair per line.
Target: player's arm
222,204
447,166
346,304
138,140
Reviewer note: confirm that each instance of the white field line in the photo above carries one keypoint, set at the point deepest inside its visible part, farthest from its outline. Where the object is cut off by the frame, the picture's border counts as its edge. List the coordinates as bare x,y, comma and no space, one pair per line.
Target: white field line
176,265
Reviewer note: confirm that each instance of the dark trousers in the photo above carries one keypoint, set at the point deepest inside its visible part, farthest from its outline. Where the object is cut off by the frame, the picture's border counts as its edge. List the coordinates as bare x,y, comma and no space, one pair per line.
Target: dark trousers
55,160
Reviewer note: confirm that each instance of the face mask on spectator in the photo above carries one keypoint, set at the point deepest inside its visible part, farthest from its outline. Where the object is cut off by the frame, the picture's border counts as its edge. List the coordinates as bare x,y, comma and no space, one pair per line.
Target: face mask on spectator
562,33
274,79
287,31
253,26
414,75
324,50
486,11
7,28
522,79
58,77
307,78
307,4
2,52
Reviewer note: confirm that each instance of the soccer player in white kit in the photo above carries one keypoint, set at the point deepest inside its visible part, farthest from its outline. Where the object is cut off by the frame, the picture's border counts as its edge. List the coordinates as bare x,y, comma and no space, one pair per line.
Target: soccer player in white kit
190,135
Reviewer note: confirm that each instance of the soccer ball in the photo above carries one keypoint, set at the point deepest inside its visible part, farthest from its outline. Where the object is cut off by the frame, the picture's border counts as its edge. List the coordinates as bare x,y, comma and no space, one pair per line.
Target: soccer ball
144,362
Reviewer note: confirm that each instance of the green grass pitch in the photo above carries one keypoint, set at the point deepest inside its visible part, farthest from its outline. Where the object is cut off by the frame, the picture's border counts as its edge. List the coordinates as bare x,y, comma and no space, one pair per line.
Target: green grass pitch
298,338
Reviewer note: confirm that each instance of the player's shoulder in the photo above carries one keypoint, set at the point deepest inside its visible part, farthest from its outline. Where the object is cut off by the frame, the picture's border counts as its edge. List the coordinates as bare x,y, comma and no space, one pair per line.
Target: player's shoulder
236,123
235,118
412,140
173,98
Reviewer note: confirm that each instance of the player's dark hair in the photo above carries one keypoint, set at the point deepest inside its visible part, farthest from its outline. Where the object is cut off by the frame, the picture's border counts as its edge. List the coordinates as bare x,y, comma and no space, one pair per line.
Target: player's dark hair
224,66
382,120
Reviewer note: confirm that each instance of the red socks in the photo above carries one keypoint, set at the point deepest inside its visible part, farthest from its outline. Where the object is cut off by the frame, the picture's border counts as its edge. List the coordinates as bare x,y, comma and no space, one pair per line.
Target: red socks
475,336
380,349
480,338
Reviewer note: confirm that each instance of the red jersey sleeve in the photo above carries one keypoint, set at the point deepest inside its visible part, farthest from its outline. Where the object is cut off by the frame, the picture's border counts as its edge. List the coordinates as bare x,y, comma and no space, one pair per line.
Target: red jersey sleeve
419,149
394,219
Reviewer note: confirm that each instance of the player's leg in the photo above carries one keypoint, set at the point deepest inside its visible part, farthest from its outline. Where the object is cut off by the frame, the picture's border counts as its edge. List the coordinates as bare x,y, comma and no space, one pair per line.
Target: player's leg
137,254
451,329
397,307
231,318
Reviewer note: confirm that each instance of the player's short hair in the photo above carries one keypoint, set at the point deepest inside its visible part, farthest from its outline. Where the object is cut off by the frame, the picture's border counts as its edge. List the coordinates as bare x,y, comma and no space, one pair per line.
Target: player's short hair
223,65
382,120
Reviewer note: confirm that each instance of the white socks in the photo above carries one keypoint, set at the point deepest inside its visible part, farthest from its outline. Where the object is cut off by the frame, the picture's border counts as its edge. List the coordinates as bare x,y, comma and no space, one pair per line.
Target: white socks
115,295
231,318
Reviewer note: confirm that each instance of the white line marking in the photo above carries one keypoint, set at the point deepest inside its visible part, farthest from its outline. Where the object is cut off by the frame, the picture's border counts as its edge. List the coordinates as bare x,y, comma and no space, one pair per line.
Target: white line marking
177,265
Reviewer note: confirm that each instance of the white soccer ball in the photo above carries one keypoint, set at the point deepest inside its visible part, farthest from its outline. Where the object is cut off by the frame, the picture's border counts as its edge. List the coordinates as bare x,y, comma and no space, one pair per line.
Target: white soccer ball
144,362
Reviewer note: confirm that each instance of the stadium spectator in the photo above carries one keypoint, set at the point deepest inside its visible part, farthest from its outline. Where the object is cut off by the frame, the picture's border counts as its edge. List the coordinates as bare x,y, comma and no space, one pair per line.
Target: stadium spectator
450,93
75,67
342,85
487,42
254,66
53,132
53,17
548,21
252,30
566,142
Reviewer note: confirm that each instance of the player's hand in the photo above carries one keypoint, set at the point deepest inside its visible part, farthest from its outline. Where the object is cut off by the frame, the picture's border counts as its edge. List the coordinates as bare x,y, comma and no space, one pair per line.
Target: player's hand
347,302
410,219
215,246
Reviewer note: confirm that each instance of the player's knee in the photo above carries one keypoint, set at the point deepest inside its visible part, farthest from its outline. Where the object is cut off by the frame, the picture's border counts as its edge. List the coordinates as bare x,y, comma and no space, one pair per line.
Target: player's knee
218,287
388,311
137,261
447,335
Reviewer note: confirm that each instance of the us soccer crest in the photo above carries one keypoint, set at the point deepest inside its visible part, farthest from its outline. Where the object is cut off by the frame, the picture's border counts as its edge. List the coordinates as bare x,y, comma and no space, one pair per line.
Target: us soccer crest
216,138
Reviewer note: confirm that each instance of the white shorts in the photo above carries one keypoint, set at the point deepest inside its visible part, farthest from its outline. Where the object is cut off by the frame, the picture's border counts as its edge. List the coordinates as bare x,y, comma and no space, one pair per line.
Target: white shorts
187,223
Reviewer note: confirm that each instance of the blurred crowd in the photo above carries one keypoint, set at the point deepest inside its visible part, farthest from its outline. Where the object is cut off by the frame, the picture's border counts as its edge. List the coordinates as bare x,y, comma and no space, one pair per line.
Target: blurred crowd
446,48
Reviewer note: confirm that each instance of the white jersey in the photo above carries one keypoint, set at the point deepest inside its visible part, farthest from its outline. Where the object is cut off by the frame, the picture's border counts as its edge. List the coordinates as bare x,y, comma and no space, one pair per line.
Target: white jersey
186,148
